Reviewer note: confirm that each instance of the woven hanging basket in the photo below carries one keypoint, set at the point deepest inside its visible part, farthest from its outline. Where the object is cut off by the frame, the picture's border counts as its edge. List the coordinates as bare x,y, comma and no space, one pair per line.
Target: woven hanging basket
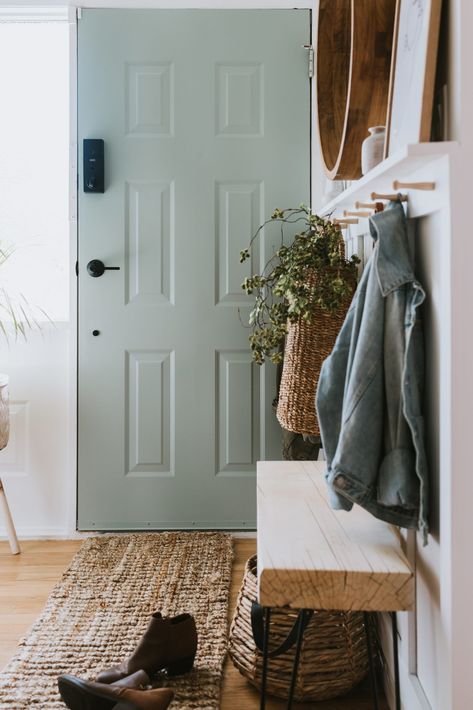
307,346
333,660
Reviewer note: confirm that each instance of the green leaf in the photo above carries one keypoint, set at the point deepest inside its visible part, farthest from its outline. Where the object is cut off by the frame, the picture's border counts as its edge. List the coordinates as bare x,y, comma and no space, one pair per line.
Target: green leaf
307,271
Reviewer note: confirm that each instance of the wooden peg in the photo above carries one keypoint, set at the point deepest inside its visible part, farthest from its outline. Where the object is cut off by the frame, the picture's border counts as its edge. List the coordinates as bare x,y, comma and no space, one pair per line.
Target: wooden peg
367,205
340,226
381,196
359,213
349,220
397,184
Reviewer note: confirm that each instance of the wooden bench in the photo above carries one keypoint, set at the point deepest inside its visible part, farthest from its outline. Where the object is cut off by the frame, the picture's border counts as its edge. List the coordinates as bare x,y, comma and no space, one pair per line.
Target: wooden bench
313,557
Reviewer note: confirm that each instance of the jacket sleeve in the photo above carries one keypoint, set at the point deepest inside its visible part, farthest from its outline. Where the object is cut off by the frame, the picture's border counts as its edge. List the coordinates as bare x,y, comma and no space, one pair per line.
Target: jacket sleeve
329,403
397,483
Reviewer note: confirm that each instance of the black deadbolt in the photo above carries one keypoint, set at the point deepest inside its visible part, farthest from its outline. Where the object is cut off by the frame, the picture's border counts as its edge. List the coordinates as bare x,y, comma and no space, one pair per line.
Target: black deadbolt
97,268
96,332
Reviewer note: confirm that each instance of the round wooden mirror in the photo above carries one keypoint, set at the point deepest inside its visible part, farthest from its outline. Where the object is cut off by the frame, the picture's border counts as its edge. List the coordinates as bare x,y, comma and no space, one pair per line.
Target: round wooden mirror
353,67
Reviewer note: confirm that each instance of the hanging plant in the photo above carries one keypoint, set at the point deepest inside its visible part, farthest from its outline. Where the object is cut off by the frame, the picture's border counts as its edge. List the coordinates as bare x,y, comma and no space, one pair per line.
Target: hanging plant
17,316
308,275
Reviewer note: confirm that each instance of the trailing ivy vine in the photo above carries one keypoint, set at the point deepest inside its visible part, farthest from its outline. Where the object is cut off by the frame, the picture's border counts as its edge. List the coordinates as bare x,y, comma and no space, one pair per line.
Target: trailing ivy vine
309,273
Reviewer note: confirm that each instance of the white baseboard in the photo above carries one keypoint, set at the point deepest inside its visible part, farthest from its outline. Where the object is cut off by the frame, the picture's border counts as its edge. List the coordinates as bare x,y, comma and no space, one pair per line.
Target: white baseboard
34,533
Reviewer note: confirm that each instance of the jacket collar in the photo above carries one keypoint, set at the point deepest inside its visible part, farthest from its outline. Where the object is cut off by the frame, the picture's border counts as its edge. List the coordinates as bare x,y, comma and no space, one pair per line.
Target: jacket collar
392,257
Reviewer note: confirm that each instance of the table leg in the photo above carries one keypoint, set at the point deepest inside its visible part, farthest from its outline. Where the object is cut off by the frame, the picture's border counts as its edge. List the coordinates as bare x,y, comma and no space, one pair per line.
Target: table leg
371,663
300,634
11,532
267,618
397,686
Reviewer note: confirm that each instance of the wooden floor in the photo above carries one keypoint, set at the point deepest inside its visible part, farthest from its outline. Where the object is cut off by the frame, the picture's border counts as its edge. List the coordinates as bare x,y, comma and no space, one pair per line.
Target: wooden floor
27,579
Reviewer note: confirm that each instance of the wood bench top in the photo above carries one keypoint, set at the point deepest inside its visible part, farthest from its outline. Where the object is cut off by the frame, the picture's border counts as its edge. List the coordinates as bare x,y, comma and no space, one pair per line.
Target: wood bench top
313,557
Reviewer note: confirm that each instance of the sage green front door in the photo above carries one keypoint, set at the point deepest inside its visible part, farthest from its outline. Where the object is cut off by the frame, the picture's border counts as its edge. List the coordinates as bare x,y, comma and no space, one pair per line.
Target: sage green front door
205,117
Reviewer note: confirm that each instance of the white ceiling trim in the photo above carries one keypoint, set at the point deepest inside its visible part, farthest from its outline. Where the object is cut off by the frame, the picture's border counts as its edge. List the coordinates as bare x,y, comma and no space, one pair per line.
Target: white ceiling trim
59,10
35,14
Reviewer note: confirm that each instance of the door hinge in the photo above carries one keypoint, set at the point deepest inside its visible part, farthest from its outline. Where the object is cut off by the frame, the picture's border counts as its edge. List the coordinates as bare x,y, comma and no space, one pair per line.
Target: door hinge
79,13
310,49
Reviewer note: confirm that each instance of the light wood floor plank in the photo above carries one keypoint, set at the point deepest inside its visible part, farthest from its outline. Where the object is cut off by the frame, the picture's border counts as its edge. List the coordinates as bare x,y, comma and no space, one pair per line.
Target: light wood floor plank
27,579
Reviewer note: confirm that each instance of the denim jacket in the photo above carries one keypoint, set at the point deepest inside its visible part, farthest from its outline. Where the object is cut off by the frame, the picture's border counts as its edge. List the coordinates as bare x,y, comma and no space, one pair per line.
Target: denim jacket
370,388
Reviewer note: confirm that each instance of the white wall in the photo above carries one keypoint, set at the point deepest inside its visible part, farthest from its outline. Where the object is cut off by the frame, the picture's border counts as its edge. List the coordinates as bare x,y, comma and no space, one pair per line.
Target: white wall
34,218
34,163
36,467
461,514
445,572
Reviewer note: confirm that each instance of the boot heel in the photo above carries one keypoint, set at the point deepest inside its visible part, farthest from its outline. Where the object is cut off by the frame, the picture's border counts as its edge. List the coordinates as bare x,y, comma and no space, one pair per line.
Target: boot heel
180,667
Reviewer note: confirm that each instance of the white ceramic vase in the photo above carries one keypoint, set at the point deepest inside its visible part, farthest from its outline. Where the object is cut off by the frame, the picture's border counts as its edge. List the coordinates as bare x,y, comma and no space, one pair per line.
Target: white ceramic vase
372,149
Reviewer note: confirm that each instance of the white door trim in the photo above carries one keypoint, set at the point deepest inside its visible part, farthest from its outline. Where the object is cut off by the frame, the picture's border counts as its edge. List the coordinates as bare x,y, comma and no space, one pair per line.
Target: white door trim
73,252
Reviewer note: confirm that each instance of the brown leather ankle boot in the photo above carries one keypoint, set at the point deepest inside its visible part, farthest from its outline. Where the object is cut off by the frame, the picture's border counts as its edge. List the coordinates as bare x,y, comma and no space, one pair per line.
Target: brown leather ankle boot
139,680
168,644
81,694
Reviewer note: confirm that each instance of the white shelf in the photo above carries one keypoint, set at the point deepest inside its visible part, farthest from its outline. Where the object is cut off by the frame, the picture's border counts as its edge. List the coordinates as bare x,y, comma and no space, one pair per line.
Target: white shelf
411,159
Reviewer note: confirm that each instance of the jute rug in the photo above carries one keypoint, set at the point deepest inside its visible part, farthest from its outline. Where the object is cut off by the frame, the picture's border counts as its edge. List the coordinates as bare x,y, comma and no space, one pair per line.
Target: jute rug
99,610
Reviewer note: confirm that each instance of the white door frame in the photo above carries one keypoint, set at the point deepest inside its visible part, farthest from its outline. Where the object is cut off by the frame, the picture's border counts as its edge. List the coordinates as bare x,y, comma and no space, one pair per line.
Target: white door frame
73,12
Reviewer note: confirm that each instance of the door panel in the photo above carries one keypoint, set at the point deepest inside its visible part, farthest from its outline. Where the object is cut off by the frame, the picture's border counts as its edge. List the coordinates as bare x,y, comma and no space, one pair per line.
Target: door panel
206,121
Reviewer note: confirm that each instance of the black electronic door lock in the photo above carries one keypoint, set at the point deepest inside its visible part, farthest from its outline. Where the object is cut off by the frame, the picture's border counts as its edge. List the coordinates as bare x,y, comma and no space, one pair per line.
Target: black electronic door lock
94,169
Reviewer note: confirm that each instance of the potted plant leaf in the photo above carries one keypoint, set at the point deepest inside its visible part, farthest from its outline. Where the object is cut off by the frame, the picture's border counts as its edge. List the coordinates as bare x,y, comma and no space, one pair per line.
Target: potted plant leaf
17,316
300,301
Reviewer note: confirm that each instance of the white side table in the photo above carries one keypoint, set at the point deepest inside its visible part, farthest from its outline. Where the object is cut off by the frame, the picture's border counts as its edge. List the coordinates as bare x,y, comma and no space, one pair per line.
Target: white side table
4,436
11,532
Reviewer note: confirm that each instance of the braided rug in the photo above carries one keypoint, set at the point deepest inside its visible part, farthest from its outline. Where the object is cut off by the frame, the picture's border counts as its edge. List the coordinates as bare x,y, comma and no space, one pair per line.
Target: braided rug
97,613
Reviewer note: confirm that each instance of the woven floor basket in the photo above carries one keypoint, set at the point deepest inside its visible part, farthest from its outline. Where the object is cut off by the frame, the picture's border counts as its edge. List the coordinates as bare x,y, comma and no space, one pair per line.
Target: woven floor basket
307,346
333,659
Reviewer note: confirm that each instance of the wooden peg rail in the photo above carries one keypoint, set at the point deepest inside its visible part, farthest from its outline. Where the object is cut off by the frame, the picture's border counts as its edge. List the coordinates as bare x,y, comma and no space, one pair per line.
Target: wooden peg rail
381,196
367,205
358,213
348,220
351,216
397,184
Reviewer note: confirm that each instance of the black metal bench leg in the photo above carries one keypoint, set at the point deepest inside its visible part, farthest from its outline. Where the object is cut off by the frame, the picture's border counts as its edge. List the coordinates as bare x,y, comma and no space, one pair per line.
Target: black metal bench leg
397,685
371,663
300,636
267,618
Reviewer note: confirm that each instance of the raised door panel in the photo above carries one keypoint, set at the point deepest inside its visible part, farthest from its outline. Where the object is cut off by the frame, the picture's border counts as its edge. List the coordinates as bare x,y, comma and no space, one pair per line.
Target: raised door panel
238,413
239,213
150,425
239,100
150,99
149,242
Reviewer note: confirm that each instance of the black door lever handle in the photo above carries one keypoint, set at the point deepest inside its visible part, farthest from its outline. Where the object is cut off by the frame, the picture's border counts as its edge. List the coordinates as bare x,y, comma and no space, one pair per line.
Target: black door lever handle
97,268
